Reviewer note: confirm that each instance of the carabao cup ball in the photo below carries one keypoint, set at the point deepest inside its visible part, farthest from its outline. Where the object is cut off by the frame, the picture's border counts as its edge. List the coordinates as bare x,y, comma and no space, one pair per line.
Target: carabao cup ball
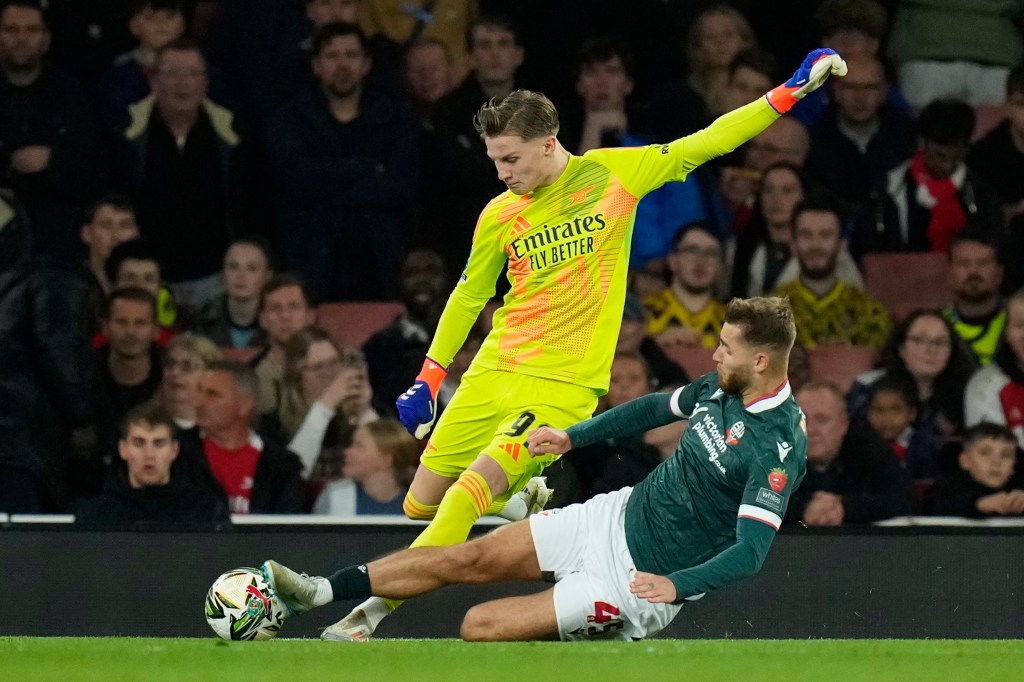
241,606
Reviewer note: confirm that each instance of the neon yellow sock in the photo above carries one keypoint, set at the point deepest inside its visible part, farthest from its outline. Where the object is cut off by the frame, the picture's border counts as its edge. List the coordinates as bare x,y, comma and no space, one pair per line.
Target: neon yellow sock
496,507
463,503
416,510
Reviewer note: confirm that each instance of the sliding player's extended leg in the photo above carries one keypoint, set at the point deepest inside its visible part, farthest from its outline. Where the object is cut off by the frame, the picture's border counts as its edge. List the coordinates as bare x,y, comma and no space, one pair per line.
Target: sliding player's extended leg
526,618
505,554
464,501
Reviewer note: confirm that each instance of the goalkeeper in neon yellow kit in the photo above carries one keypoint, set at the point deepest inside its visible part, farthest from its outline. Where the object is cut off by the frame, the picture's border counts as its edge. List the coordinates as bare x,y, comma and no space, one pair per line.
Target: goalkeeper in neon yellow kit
563,227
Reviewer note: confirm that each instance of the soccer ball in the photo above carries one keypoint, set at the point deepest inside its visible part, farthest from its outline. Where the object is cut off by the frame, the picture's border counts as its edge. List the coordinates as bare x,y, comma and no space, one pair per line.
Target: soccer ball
241,606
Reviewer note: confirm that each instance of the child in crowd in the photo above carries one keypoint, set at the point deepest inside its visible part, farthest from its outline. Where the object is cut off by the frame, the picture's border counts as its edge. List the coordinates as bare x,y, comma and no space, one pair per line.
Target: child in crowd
983,487
378,469
892,413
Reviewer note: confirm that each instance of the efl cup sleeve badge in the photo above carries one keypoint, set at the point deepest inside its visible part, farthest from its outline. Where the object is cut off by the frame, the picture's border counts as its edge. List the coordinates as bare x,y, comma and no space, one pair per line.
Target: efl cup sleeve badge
734,433
777,479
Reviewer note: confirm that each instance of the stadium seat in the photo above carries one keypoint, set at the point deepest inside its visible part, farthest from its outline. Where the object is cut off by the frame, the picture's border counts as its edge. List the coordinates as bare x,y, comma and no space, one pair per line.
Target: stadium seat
986,118
245,355
696,360
841,363
352,324
904,282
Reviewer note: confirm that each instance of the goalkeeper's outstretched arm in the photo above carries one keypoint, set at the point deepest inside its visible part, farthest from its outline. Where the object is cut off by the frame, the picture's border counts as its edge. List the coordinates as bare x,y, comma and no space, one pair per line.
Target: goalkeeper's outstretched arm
732,129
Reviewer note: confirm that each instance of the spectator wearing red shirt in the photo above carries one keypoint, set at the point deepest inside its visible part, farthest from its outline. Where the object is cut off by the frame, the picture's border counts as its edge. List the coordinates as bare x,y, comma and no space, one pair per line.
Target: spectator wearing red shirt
228,456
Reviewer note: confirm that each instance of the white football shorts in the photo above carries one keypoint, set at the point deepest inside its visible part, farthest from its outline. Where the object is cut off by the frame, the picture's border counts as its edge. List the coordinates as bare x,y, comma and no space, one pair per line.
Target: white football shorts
582,548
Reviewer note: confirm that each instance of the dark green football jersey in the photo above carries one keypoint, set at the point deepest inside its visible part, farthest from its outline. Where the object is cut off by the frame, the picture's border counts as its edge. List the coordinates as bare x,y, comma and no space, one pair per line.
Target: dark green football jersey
734,461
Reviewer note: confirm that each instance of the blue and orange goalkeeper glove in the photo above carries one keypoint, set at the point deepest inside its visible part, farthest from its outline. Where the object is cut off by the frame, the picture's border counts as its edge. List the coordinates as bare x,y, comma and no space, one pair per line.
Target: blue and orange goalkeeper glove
816,67
417,407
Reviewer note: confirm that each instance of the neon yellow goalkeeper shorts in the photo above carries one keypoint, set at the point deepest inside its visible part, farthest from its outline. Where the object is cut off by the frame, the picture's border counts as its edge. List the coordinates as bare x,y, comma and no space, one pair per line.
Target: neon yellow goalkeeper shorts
493,412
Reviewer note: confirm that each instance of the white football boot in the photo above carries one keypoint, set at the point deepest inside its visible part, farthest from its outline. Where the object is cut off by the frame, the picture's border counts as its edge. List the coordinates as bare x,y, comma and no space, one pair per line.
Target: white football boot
354,627
529,500
536,494
296,592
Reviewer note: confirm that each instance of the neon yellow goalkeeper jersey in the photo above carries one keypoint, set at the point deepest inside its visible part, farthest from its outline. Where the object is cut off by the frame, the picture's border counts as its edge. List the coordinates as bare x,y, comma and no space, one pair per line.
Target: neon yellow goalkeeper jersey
567,249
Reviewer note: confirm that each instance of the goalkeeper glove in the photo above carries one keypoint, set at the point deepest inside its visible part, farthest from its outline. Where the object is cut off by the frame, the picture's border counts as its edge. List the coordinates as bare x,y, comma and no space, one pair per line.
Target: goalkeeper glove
816,67
417,407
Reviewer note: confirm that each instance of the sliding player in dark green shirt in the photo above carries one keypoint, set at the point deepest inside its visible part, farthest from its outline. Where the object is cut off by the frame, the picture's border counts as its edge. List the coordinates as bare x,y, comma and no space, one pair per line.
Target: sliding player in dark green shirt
625,562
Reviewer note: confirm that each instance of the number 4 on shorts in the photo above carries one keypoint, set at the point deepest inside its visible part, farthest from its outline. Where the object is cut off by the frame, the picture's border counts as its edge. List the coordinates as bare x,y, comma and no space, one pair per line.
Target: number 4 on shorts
603,612
605,619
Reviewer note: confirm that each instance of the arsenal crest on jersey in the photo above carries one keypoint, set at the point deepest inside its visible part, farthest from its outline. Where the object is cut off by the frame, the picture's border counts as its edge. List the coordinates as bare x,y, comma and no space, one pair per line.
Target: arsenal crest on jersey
734,433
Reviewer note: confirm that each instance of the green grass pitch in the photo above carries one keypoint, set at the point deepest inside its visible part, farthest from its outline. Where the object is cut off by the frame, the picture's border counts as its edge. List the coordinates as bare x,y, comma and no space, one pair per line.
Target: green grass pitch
421,660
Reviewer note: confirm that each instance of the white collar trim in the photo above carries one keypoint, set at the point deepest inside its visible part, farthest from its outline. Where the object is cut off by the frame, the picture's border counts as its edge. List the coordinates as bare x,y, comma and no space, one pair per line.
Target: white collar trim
770,401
